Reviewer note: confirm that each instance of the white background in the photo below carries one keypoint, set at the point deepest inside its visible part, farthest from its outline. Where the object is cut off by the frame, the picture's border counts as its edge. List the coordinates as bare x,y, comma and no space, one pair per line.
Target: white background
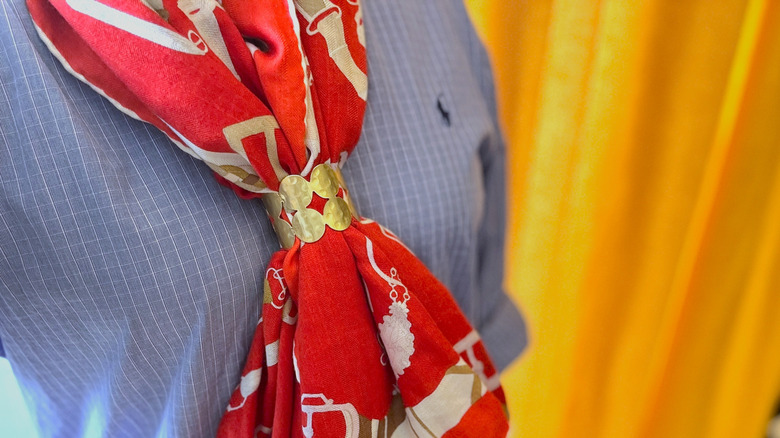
15,421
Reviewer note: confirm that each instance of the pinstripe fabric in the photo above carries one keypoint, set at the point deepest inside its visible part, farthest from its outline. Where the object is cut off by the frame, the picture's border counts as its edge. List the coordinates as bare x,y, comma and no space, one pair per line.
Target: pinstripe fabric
127,307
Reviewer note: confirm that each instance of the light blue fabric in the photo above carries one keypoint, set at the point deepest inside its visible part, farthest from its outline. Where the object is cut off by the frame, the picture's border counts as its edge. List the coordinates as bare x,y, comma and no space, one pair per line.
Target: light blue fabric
130,280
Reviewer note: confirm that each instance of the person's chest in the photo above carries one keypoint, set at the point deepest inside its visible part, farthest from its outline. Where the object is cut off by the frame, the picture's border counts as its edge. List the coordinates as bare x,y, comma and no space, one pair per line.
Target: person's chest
91,194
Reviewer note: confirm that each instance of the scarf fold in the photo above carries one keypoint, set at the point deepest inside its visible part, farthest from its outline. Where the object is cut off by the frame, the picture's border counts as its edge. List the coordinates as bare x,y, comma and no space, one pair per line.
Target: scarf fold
356,336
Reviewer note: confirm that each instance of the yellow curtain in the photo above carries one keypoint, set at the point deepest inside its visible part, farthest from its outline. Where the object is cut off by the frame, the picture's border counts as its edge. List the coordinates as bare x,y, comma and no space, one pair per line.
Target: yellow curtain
644,240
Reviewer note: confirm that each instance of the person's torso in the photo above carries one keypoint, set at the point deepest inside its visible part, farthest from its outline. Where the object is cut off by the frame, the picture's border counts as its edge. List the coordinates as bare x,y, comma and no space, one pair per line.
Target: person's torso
129,278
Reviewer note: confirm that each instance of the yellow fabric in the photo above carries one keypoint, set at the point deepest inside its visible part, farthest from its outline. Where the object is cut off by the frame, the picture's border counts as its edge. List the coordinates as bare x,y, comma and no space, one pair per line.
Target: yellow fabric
644,240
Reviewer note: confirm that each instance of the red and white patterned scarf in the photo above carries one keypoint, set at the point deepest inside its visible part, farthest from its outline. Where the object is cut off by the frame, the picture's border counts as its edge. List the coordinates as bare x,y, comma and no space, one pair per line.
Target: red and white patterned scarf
357,337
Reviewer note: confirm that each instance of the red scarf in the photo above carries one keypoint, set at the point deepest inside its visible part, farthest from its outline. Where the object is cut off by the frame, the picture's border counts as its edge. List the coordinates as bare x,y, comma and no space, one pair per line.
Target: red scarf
357,337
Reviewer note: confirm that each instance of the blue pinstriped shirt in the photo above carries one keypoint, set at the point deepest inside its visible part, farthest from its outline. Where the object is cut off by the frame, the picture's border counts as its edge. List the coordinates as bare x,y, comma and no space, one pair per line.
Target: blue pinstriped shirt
129,280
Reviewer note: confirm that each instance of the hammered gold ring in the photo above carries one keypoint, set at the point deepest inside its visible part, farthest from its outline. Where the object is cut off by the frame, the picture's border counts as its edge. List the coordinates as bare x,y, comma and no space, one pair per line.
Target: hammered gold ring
290,212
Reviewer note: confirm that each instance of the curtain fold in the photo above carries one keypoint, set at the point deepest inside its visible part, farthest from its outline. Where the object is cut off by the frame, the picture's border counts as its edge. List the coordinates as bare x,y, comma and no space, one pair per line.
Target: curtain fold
644,227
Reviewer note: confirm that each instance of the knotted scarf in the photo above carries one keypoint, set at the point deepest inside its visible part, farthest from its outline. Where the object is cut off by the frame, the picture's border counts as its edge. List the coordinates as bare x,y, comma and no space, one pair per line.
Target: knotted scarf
356,337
